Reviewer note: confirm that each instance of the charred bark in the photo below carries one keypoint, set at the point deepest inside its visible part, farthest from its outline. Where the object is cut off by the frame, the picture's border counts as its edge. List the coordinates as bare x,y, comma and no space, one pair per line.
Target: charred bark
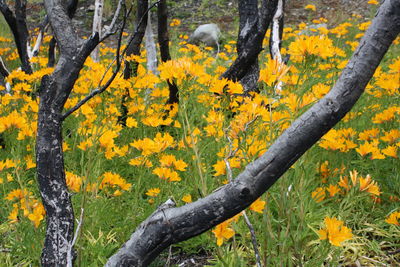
71,10
134,46
19,29
248,19
163,40
251,44
171,225
53,94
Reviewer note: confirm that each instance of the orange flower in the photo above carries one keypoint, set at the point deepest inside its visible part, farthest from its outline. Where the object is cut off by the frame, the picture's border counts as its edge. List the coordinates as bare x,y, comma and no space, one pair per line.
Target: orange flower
223,232
335,231
319,194
393,218
258,206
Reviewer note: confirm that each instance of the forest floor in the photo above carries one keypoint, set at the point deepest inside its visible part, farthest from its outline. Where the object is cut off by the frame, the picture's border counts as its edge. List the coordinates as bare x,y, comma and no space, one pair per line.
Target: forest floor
222,12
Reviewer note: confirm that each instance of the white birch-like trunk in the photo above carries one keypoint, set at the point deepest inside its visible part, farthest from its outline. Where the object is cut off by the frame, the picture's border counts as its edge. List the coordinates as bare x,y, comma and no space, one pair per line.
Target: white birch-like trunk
150,45
275,41
97,17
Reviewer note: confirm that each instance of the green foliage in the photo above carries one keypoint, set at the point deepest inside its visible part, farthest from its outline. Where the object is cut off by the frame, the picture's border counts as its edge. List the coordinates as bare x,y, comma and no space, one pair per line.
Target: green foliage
118,176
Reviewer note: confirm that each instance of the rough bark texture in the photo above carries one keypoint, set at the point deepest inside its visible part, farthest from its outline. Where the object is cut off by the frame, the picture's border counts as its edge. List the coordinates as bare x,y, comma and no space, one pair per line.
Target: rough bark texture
248,19
172,225
275,41
163,40
134,46
53,94
253,36
71,9
97,18
19,29
3,69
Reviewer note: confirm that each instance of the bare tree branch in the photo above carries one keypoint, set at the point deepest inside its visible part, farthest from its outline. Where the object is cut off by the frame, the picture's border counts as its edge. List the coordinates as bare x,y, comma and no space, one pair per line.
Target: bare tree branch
173,225
19,29
102,88
3,69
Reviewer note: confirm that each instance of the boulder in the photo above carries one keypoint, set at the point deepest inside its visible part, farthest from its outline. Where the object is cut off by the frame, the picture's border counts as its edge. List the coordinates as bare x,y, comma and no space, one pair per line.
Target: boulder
207,34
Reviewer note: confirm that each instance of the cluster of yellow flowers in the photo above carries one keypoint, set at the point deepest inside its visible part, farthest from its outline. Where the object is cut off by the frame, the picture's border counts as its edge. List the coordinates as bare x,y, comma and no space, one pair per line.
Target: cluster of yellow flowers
30,207
343,186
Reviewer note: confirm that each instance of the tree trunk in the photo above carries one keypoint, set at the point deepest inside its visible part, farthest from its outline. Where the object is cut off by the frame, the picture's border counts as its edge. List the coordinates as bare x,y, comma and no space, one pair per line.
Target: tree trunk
151,51
19,29
170,225
51,176
97,17
248,18
163,40
134,46
251,45
53,94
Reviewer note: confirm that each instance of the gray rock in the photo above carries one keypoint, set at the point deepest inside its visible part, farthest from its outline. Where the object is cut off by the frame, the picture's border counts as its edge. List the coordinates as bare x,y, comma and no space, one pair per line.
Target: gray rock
309,30
207,34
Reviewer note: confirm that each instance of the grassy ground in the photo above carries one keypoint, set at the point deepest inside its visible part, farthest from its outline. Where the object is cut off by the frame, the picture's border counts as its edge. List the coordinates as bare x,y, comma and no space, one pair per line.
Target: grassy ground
338,205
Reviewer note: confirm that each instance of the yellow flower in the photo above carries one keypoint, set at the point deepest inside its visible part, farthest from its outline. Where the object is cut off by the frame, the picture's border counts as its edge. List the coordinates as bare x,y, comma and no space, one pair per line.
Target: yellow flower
131,122
310,7
335,231
74,182
333,190
258,206
373,2
166,174
187,198
390,151
13,216
319,194
153,192
392,136
222,232
393,218
37,215
112,180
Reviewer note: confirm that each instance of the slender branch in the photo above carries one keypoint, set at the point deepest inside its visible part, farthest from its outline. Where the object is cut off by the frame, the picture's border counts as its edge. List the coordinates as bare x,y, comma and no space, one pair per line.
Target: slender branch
110,29
231,154
101,89
3,69
72,244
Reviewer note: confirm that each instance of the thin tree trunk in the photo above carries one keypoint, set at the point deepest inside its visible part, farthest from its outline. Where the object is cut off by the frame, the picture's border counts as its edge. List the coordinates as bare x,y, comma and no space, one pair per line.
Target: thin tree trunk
163,40
251,44
248,18
169,225
97,17
71,10
151,51
133,48
19,29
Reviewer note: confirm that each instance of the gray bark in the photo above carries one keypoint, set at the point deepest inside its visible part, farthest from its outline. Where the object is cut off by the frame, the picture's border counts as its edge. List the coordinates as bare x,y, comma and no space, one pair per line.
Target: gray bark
171,225
248,14
53,94
97,18
150,46
17,23
251,38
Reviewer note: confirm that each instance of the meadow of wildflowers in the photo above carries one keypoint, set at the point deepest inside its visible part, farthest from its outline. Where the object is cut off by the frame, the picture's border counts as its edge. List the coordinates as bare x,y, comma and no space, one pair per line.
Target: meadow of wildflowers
339,204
